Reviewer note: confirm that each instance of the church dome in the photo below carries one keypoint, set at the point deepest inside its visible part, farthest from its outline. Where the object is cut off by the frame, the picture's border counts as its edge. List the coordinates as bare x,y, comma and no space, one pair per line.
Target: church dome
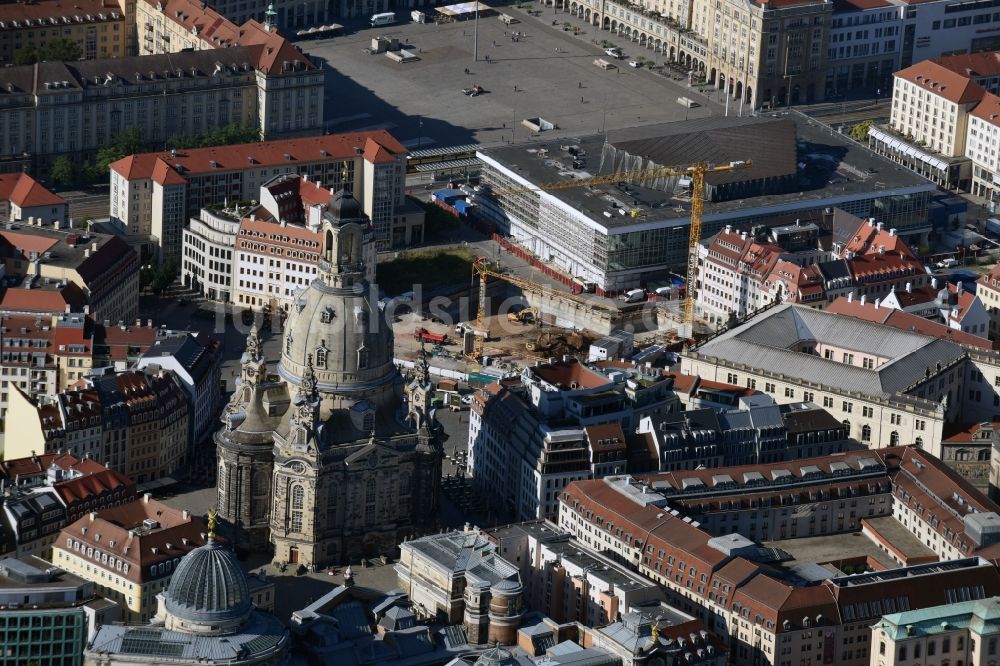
343,206
336,322
208,588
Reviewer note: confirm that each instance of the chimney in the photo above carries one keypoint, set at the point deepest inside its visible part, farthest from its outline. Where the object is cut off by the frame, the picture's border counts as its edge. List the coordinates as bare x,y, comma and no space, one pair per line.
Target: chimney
850,297
892,232
878,302
871,221
93,516
185,514
878,226
146,497
864,298
934,283
909,287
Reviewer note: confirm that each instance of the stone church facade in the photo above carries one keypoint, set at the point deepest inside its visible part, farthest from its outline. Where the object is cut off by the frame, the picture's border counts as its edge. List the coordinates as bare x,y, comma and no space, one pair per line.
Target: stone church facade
321,457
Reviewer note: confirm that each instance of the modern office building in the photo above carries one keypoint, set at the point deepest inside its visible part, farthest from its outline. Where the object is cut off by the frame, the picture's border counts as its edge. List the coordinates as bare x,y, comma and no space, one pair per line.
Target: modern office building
620,236
47,614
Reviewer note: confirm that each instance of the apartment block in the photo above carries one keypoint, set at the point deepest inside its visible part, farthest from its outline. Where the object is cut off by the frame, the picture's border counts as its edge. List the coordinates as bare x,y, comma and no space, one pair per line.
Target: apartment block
129,552
941,123
567,581
55,108
154,194
562,421
98,27
44,493
769,600
136,422
711,437
41,262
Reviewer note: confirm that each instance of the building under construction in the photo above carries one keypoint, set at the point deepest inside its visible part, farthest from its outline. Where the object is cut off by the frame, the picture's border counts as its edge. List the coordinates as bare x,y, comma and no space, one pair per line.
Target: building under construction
623,235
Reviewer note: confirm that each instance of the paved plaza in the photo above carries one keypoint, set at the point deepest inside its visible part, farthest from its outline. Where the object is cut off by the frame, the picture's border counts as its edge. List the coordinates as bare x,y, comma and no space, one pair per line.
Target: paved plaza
547,73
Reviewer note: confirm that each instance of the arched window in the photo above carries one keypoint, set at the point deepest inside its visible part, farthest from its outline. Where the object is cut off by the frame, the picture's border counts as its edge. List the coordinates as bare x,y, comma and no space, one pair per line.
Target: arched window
866,433
329,245
362,358
321,353
404,483
847,424
260,482
919,442
983,455
894,438
298,497
370,491
368,421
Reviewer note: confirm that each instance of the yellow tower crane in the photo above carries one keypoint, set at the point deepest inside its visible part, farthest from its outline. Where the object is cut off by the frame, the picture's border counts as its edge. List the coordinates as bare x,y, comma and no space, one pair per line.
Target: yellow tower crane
696,172
484,269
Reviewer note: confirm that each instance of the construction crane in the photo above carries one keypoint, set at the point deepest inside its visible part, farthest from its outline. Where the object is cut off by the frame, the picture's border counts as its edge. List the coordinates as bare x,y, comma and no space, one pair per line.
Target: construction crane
482,268
696,172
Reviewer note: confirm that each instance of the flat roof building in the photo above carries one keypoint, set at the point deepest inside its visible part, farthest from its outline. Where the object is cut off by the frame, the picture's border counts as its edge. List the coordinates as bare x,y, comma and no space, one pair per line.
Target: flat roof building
620,235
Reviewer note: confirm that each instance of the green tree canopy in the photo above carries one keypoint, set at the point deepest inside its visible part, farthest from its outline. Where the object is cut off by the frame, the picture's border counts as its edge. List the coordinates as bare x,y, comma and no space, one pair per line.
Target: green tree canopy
54,50
63,170
859,131
217,136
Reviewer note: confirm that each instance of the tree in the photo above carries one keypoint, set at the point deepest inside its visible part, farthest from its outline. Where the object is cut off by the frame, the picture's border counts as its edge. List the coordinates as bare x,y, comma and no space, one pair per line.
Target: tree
63,170
55,50
859,131
217,136
126,142
158,276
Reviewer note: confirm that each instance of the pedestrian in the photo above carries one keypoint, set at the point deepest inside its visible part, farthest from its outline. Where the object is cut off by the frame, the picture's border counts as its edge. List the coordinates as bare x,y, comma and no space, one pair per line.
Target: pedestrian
515,87
581,99
494,43
579,84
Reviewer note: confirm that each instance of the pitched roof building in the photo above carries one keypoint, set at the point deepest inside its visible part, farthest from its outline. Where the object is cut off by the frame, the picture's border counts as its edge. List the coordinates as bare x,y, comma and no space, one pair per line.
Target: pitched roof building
370,164
686,531
129,551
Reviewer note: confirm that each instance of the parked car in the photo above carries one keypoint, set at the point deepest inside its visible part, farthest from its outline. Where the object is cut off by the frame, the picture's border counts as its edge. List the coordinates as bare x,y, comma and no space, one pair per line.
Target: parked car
614,52
634,63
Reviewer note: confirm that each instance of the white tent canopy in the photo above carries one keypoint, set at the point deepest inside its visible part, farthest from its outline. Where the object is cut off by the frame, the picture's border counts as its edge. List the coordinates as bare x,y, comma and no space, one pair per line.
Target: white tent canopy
463,8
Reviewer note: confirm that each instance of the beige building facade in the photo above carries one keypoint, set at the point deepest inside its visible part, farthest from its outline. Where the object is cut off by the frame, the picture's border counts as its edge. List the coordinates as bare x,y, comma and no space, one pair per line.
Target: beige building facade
766,54
129,552
98,27
77,108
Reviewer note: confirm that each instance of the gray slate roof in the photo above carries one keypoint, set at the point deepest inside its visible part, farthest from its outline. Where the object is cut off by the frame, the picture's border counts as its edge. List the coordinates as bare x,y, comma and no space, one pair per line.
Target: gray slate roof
765,342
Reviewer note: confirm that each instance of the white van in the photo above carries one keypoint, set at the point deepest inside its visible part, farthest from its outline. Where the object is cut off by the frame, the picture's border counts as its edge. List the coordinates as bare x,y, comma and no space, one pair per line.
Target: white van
634,296
385,18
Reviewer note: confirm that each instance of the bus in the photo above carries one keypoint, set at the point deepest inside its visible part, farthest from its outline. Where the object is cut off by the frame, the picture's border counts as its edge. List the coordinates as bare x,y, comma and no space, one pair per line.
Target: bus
386,18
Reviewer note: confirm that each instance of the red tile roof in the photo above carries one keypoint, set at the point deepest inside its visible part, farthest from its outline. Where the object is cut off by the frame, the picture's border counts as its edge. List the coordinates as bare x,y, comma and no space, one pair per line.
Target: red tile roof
49,301
26,243
906,321
29,193
985,63
25,191
265,153
939,80
103,481
988,109
119,532
569,374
